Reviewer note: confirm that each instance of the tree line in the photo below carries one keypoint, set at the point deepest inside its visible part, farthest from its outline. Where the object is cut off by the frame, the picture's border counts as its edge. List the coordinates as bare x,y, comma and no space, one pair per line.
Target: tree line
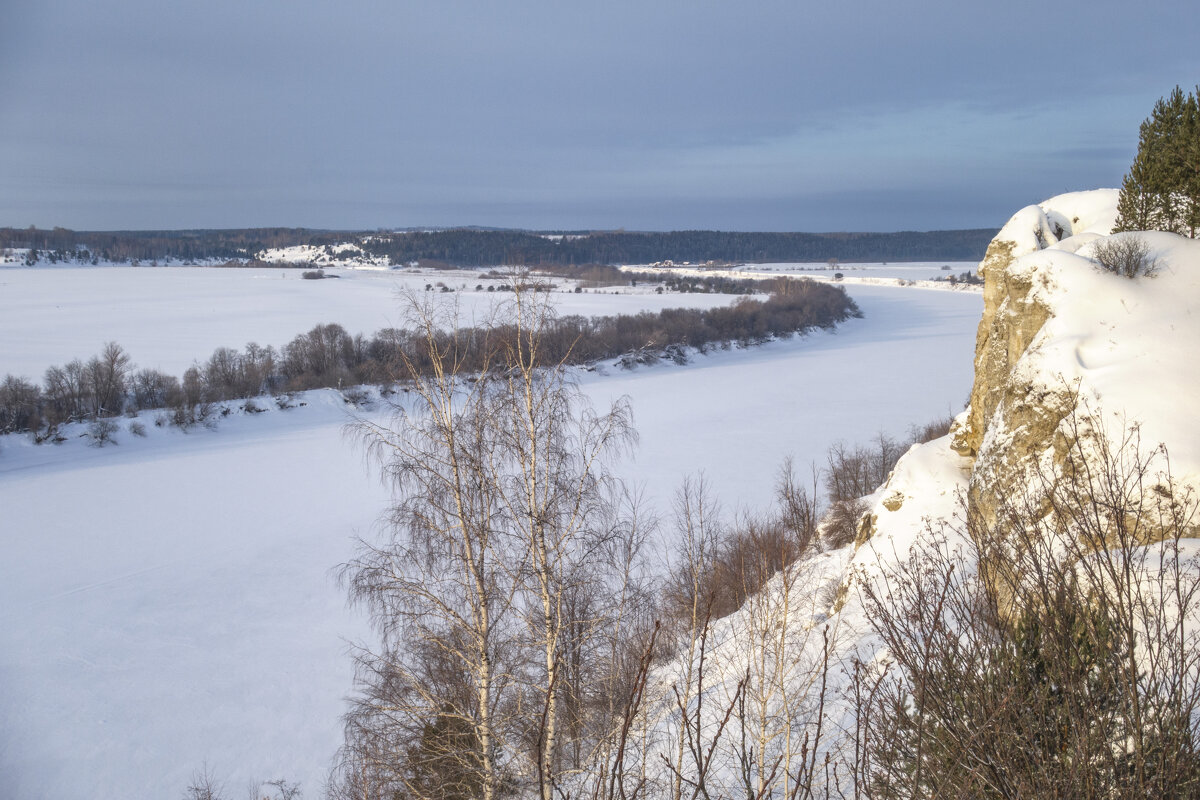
478,248
328,356
235,245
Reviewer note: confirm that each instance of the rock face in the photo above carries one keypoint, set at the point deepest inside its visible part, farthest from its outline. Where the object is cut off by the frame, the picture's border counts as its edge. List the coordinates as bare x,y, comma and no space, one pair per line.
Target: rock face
1013,315
1067,354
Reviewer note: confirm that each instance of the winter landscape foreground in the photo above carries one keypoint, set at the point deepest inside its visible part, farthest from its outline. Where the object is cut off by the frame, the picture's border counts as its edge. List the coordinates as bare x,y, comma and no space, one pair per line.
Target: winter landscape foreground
169,602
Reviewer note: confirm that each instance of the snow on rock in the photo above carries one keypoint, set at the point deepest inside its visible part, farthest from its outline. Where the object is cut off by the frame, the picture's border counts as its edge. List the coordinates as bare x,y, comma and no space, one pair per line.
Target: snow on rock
1065,349
1062,346
1059,218
1065,345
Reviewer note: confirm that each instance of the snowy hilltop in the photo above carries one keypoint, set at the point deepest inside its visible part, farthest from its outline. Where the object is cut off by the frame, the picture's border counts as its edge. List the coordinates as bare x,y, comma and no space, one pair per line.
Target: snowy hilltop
1056,522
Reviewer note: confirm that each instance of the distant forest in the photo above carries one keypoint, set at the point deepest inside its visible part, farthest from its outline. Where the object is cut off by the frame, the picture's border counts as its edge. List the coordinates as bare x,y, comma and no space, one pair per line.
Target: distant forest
468,247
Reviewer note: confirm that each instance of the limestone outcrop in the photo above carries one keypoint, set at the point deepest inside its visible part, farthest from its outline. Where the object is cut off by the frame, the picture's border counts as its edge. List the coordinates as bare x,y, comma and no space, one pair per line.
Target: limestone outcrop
1071,359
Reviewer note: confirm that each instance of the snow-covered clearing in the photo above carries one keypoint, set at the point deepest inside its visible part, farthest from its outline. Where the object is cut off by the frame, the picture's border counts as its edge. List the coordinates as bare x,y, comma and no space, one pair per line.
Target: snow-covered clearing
926,274
169,602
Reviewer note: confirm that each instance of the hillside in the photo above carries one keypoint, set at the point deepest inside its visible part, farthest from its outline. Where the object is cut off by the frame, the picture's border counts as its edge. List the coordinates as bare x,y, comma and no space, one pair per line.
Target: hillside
1075,464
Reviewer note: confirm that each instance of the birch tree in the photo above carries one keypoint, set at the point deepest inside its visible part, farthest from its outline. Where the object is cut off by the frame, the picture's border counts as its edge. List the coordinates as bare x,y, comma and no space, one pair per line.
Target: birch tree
499,533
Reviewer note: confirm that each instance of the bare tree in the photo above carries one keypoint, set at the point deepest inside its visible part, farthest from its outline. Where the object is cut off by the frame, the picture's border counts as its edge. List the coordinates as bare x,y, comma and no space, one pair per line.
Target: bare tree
106,376
550,470
204,786
485,588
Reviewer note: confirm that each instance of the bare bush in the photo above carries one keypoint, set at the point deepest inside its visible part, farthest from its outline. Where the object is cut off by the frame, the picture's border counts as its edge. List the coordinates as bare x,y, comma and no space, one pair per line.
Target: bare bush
204,786
21,405
840,525
934,429
102,432
1127,255
358,397
1067,666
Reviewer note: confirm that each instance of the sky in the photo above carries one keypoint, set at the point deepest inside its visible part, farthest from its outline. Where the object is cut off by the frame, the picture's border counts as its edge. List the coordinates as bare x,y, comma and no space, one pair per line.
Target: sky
544,114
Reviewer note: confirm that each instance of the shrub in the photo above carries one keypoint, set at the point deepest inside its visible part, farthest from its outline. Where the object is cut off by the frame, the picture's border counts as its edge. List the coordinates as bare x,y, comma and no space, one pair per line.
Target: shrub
102,432
934,429
1126,255
137,429
313,274
723,565
840,525
20,405
357,396
1065,665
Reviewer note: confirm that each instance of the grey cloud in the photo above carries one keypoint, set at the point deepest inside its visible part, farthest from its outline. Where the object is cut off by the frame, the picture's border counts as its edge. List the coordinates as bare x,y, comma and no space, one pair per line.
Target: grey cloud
369,114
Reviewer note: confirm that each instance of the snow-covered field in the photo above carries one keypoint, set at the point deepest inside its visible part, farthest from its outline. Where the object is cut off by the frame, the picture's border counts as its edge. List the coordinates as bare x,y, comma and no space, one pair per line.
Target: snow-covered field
874,272
902,270
170,602
166,317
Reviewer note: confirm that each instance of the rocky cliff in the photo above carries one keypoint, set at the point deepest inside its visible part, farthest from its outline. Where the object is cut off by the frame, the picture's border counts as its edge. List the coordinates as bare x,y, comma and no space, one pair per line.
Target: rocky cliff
1069,359
1078,372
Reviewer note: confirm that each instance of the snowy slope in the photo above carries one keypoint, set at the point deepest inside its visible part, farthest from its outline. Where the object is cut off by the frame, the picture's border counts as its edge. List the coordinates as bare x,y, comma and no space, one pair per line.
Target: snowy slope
1127,348
1129,345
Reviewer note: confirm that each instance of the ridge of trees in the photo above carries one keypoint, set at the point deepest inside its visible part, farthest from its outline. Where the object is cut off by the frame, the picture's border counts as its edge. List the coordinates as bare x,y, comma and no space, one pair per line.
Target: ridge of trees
1161,191
328,356
478,248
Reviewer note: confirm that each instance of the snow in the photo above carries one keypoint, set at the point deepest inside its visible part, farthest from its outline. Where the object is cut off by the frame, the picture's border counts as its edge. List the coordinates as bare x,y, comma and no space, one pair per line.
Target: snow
349,256
1075,214
1128,346
924,274
167,317
736,415
169,602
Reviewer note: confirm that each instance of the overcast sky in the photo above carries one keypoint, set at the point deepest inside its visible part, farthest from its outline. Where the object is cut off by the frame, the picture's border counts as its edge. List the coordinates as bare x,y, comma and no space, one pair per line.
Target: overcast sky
757,115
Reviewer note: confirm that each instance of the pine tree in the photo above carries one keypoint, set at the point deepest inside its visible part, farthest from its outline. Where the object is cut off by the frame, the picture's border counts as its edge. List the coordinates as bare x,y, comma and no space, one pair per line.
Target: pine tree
1135,206
1162,189
1189,161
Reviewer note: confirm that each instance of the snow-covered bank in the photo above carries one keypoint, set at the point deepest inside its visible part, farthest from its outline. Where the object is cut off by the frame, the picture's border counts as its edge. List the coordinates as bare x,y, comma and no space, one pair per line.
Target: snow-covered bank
171,605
